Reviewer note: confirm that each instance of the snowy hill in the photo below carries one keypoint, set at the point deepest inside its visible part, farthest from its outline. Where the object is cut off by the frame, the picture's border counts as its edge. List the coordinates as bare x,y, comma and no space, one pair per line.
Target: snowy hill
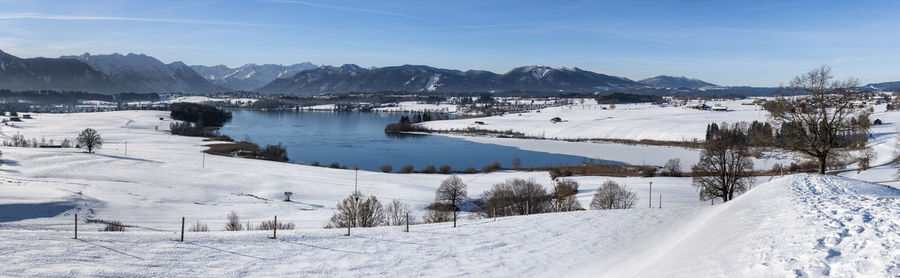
250,76
667,81
142,73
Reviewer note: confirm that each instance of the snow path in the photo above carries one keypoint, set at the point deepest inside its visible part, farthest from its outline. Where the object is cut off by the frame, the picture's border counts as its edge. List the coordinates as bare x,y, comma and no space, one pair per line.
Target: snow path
800,225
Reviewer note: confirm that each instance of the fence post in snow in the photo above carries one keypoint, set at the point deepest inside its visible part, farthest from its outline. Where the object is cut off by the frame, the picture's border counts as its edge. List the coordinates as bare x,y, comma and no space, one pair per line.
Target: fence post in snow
182,229
275,228
407,222
660,200
650,203
76,226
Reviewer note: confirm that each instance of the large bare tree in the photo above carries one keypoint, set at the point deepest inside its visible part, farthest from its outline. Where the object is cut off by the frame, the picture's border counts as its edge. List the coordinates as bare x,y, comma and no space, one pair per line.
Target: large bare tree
813,122
725,166
450,195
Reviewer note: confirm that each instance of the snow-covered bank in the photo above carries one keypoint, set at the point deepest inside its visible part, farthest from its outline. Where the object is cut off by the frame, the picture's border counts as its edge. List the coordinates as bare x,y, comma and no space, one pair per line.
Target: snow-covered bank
630,154
626,121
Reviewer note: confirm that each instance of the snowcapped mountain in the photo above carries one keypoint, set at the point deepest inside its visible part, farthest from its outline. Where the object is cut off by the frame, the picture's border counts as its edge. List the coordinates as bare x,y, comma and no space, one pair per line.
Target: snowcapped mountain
417,78
250,76
884,85
51,74
142,73
667,81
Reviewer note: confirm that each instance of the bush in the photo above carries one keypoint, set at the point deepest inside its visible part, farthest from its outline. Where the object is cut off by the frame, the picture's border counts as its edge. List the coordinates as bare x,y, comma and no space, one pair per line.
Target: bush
407,169
516,197
648,171
445,169
357,211
114,226
198,227
234,222
429,169
491,167
273,152
612,196
386,168
564,196
315,163
269,225
877,122
436,215
471,170
334,165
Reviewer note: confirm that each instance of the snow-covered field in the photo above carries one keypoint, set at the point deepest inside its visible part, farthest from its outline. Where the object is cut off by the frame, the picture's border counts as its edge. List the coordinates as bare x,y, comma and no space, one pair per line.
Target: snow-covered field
798,225
626,121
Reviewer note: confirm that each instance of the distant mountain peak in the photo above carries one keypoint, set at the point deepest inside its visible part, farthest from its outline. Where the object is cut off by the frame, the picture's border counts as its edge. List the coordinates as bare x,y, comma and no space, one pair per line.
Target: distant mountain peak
669,81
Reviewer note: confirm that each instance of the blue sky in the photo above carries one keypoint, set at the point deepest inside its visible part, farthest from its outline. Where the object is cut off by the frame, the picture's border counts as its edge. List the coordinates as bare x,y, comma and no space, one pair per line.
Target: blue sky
758,43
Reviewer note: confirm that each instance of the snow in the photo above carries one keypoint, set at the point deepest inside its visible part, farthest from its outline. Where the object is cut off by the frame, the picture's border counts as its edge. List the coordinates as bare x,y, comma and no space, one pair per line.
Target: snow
626,121
432,84
797,225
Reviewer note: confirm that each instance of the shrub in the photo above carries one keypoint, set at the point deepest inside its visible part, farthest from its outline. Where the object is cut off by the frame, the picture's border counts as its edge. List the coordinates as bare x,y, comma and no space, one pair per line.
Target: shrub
234,222
437,216
877,122
334,165
315,163
429,169
407,169
386,168
491,167
114,226
648,171
269,225
445,169
516,163
273,152
198,227
612,196
516,197
564,196
471,170
357,211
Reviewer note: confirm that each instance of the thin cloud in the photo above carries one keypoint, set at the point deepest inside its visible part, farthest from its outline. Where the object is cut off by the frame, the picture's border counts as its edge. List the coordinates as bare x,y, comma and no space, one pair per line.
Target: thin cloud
342,8
116,18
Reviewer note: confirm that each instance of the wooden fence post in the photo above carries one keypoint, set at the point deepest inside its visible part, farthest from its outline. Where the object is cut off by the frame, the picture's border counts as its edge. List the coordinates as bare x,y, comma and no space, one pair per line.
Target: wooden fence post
76,226
407,222
275,228
660,200
182,229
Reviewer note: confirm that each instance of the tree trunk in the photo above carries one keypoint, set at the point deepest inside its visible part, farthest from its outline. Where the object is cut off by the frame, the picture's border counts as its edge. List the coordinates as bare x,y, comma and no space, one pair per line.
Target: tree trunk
822,160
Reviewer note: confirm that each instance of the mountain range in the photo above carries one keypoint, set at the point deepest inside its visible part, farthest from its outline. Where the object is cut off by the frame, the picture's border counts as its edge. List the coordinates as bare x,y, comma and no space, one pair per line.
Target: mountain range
666,81
250,76
415,78
141,73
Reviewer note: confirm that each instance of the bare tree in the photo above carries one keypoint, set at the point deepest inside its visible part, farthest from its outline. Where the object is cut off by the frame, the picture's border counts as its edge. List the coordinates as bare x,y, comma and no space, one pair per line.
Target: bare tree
516,197
433,215
451,194
90,140
724,167
564,196
672,168
395,213
234,222
813,123
866,156
613,196
357,211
